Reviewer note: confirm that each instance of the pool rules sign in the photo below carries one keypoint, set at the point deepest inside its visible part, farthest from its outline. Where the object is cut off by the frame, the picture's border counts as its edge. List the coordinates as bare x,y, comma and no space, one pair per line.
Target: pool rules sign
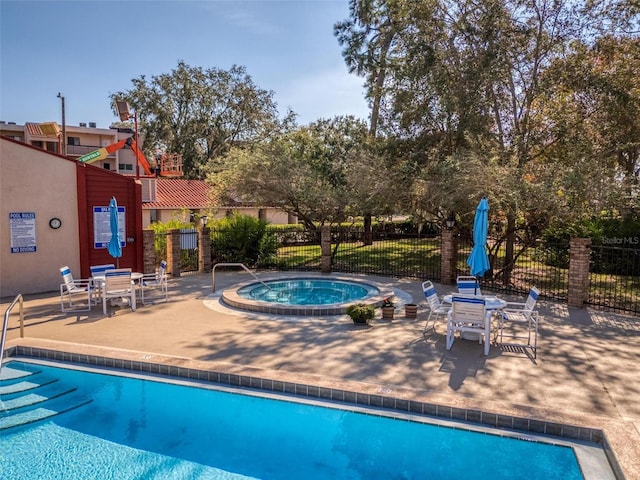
22,226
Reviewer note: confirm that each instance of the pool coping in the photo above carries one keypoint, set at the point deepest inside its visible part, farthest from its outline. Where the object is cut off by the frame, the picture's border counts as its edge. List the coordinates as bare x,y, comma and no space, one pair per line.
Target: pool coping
230,297
310,386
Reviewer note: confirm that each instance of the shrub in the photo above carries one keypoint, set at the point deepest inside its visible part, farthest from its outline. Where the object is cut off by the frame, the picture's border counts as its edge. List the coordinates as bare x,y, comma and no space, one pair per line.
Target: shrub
243,239
361,313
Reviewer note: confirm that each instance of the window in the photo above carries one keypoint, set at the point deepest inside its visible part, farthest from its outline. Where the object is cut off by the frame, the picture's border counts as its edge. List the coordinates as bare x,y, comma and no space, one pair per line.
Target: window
73,140
106,166
125,167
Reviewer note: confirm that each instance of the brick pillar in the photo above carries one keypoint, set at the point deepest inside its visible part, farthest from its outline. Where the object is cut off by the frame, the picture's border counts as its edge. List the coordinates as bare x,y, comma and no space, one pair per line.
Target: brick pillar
579,259
204,250
173,252
325,248
449,252
148,251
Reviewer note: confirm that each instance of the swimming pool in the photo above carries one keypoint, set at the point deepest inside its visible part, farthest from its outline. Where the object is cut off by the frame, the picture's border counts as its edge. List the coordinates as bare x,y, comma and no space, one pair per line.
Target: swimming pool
305,295
141,427
307,291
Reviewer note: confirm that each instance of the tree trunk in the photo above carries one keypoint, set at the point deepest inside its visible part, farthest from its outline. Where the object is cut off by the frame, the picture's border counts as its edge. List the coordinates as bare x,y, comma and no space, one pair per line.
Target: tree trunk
367,235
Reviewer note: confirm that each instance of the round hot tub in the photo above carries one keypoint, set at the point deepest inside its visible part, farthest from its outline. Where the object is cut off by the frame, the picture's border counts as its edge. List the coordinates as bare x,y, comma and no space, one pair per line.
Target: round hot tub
306,296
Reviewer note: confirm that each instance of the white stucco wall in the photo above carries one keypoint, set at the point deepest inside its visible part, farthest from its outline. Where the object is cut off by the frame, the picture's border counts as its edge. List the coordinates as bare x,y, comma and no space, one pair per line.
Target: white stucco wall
34,181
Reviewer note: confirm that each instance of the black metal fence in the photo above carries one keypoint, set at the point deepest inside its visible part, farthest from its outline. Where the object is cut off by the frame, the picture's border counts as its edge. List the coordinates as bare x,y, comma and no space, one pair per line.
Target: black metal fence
188,249
543,265
400,251
614,278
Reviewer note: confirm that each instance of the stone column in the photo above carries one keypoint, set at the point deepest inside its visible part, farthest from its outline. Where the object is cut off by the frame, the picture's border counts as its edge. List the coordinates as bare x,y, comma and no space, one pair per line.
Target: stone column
325,248
149,251
579,259
173,252
449,252
204,250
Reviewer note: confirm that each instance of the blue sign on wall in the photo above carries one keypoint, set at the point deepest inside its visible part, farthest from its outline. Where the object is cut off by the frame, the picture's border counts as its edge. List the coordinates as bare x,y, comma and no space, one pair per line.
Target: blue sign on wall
102,226
22,226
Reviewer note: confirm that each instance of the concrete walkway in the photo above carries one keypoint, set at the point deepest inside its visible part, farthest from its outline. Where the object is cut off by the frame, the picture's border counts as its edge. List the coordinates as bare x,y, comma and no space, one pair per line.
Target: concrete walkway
587,372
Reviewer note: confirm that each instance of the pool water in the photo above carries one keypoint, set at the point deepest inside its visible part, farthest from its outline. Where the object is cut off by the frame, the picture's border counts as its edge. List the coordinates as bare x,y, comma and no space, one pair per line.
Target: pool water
139,428
307,291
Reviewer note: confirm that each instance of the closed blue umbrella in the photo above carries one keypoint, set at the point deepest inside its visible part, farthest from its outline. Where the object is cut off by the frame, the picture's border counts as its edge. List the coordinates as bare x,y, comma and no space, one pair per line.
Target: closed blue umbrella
478,260
114,247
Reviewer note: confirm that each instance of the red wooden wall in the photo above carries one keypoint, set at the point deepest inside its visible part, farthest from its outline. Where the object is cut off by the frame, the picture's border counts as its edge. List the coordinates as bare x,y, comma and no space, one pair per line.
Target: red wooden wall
96,186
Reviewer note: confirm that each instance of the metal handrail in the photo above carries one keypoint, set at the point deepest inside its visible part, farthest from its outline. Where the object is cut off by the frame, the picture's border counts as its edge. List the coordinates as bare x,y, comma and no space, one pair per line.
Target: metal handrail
6,322
213,273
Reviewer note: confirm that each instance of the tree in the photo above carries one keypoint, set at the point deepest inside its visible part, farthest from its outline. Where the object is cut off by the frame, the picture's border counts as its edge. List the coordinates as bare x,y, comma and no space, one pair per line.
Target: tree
323,172
462,93
200,113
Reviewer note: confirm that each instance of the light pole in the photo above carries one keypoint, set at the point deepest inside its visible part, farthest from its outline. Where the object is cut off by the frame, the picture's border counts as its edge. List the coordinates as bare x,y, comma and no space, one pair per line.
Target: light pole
64,127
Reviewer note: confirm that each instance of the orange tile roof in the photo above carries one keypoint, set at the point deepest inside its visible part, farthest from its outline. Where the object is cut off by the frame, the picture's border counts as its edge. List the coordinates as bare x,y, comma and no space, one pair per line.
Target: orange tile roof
180,193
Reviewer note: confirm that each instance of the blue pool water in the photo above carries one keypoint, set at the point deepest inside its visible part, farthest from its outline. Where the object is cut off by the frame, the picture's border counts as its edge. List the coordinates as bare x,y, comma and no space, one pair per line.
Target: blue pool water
142,429
307,291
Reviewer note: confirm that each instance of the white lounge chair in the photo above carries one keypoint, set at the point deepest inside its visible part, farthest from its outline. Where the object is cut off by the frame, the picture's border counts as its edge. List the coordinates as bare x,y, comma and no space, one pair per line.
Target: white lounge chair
78,288
436,308
468,285
154,285
521,320
469,315
118,284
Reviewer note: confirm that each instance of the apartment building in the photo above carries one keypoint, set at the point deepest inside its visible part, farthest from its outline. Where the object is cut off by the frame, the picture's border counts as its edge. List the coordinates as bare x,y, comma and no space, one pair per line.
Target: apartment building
80,140
163,199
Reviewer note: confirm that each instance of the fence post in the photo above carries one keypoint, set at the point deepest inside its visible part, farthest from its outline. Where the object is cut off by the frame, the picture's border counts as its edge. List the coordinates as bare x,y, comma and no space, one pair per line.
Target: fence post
449,252
173,252
579,259
148,251
204,250
325,249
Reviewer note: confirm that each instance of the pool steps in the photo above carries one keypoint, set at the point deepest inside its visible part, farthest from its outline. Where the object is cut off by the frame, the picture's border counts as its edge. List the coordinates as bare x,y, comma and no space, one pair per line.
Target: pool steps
28,396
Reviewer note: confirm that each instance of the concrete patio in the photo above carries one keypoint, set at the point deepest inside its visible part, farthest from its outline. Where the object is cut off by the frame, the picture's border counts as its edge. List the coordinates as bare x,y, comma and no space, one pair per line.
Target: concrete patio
587,371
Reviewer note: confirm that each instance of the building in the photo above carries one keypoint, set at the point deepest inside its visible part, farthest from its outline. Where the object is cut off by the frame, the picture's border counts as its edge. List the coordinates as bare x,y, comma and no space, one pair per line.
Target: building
81,140
52,215
163,199
176,199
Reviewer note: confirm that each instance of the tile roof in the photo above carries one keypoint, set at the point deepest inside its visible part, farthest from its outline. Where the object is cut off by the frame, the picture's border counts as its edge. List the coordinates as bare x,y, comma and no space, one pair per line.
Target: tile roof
180,193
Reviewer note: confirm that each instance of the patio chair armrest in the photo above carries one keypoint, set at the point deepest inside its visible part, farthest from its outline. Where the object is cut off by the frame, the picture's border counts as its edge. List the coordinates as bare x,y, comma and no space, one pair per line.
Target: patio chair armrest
515,304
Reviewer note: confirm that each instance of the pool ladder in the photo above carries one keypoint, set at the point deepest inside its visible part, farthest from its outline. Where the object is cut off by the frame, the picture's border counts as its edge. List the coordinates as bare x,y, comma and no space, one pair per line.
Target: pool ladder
213,273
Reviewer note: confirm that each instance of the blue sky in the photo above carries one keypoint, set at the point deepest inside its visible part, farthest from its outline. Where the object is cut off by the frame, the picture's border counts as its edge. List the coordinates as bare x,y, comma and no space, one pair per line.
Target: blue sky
87,50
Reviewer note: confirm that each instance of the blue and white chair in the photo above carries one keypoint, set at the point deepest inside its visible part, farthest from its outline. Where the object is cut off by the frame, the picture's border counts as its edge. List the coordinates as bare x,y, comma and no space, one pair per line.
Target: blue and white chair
469,315
468,285
98,270
97,275
118,284
75,288
436,307
154,285
520,321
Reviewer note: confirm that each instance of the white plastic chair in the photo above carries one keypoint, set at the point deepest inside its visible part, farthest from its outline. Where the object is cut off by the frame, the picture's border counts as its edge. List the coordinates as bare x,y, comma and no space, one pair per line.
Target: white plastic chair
436,307
75,288
98,270
468,285
517,316
469,315
118,284
157,282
